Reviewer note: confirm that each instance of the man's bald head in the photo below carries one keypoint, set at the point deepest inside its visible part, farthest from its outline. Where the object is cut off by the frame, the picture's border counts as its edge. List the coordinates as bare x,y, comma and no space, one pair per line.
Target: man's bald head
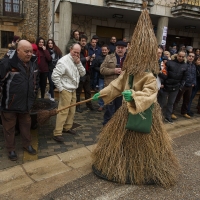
75,50
24,51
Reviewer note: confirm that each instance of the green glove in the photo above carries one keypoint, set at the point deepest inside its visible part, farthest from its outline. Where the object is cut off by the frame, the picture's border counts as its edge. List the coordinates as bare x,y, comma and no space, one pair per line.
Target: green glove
96,97
127,95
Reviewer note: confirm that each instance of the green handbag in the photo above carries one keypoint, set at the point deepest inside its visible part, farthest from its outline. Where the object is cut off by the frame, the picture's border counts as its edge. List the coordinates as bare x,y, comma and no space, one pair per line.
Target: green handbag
140,122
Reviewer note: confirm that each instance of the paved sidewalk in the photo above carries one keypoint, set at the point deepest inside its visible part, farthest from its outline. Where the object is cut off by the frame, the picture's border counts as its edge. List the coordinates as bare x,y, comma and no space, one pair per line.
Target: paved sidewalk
87,126
70,159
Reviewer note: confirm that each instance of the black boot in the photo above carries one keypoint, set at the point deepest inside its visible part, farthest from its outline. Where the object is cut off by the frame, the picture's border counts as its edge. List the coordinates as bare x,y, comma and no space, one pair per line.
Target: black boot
78,109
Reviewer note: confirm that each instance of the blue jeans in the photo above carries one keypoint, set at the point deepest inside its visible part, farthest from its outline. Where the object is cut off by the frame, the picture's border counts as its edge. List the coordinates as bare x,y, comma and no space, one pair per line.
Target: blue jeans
111,108
101,86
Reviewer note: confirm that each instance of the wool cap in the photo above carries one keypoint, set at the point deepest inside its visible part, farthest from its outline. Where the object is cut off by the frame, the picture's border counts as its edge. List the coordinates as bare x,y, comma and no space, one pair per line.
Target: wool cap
121,43
188,48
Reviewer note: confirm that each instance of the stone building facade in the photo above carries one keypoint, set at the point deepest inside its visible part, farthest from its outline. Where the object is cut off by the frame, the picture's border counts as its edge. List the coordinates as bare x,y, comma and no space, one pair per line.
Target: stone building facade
32,21
87,16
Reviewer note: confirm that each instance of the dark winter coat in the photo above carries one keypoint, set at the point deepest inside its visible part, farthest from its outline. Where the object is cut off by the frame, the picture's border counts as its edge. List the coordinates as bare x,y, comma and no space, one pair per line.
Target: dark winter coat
19,84
97,64
112,47
176,75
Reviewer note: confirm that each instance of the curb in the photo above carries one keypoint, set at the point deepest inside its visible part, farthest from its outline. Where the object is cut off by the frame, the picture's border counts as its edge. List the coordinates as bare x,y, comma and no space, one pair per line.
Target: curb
55,171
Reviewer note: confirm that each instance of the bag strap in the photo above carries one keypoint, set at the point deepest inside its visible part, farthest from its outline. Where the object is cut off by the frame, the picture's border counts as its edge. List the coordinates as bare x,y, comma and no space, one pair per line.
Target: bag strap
130,81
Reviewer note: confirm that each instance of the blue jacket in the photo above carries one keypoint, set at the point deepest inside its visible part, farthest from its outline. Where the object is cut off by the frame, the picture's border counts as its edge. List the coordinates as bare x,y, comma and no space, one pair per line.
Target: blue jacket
96,51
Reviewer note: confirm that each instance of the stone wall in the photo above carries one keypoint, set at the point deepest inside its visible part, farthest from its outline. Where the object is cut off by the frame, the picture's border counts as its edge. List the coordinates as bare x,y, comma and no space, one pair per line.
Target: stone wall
88,24
27,28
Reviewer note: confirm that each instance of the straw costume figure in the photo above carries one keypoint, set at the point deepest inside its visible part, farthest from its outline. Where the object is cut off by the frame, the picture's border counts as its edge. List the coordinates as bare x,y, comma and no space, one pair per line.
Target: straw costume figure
127,156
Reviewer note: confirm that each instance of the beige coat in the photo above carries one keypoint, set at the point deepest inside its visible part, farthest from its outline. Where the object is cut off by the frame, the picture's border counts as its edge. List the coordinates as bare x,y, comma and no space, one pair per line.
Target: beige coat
107,69
144,91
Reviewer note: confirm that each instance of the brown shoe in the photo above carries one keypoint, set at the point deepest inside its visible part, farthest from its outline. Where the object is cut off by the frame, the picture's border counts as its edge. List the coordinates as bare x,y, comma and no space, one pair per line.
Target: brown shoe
58,138
70,131
173,116
186,116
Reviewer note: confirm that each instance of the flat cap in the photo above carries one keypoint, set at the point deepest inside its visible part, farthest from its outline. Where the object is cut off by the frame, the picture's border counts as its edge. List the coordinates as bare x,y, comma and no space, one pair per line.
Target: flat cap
121,43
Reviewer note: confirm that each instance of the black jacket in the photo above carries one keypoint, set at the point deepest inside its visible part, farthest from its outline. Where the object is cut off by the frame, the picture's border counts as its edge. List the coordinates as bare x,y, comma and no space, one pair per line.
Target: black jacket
176,75
84,61
55,57
112,48
19,85
97,64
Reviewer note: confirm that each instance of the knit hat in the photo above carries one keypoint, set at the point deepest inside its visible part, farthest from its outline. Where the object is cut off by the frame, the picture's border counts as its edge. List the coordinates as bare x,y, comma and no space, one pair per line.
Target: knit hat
15,38
188,48
174,44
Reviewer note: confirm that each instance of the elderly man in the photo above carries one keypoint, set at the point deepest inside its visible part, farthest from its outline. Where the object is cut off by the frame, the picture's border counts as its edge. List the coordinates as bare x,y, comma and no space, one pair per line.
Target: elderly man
111,68
66,77
19,82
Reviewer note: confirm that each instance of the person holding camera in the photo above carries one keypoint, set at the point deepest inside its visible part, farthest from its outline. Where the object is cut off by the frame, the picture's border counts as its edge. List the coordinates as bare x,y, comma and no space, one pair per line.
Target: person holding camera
85,80
111,68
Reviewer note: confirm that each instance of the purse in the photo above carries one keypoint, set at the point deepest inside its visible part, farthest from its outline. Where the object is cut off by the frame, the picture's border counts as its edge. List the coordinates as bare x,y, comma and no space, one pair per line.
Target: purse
140,122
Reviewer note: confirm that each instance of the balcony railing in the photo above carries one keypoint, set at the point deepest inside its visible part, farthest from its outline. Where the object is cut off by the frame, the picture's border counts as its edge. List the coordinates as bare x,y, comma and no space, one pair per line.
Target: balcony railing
186,8
129,4
189,2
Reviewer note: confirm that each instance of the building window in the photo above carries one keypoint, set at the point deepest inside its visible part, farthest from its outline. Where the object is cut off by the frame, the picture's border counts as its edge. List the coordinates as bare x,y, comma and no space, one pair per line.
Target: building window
6,38
11,7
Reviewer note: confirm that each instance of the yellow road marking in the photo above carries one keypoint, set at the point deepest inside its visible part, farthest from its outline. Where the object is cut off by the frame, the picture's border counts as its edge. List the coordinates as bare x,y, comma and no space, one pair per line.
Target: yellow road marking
34,143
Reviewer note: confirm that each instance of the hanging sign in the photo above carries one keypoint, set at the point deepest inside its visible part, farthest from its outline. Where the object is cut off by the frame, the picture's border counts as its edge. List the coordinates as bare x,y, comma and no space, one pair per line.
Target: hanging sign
164,36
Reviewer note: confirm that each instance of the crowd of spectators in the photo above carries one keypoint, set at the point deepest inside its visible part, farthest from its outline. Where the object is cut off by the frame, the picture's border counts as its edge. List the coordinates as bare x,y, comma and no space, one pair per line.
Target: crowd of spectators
90,66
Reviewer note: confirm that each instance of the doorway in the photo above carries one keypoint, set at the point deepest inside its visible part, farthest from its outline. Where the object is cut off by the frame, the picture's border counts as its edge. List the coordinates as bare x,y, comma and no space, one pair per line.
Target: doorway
187,41
105,33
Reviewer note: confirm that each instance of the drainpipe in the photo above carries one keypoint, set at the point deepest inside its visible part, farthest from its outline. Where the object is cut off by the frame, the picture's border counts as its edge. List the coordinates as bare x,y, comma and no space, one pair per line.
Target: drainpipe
38,24
52,23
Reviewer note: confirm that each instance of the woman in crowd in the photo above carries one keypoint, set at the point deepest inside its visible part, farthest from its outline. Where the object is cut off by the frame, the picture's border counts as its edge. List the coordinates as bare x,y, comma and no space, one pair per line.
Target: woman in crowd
196,88
44,58
197,52
56,54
